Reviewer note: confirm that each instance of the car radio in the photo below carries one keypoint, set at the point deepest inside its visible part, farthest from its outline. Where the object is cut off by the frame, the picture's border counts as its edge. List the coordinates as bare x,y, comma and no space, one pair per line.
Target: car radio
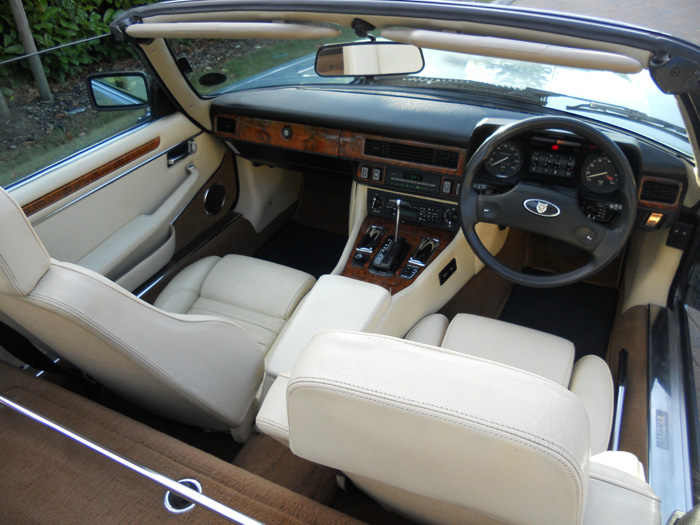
413,210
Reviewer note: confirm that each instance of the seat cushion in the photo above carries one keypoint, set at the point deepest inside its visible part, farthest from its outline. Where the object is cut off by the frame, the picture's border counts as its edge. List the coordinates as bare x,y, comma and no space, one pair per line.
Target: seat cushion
537,352
430,330
445,425
258,296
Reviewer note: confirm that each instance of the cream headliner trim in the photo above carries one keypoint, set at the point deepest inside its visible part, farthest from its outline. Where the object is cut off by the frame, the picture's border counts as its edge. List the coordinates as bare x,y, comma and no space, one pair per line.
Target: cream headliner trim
516,50
384,22
231,30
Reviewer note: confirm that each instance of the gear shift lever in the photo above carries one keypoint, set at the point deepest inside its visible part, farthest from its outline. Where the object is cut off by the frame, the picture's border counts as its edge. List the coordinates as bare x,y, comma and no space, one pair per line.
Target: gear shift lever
394,250
398,220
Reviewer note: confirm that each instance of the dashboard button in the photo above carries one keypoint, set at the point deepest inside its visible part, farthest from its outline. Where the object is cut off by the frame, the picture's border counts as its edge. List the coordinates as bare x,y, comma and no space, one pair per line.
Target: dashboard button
490,210
586,236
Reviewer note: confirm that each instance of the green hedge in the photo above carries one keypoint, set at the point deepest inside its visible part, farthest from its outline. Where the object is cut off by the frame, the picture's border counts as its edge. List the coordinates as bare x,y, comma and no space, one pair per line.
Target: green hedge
56,22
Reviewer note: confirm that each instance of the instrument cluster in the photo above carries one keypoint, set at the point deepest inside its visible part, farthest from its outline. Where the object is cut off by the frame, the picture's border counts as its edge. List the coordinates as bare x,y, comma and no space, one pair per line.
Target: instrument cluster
554,159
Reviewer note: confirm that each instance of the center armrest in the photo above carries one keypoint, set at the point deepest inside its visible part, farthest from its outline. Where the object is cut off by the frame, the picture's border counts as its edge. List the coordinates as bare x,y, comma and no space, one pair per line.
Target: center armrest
334,303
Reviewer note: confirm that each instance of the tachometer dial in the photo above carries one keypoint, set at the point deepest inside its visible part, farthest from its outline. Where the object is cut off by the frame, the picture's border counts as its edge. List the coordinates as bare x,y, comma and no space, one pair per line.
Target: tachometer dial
506,160
598,174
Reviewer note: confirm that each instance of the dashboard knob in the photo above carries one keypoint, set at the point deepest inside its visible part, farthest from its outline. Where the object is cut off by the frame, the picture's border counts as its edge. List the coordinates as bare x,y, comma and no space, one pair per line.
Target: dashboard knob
451,216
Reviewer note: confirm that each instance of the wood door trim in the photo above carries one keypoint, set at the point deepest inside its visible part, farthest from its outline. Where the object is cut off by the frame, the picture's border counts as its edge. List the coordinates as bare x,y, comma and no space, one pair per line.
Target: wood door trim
90,177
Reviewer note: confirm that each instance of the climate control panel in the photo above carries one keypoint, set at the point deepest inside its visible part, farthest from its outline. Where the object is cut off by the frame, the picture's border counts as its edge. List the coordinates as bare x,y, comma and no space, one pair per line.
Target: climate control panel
413,210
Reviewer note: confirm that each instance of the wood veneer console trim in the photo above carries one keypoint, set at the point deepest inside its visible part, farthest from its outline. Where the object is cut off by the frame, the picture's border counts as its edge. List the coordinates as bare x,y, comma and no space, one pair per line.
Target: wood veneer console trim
352,146
327,141
413,235
90,177
282,134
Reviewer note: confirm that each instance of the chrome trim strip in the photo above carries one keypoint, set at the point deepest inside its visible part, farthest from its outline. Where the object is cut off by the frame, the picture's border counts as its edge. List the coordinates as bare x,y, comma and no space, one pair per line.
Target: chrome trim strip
170,484
669,453
109,182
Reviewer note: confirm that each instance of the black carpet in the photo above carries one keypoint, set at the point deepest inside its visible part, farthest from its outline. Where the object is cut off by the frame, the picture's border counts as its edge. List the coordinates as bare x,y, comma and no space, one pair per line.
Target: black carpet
305,248
582,313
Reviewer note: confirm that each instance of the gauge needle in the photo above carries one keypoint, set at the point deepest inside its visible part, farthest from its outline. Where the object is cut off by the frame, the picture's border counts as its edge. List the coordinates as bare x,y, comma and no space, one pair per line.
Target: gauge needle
499,161
597,174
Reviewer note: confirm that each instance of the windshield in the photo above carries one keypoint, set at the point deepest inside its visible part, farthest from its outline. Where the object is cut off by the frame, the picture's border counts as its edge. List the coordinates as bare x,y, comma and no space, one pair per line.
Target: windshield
630,101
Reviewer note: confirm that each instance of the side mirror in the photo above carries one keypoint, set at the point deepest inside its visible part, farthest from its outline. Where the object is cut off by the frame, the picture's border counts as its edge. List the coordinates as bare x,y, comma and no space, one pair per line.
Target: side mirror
118,91
364,59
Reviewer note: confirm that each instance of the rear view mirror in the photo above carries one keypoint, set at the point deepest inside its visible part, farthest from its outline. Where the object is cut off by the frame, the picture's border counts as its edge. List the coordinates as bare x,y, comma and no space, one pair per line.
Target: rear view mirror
118,91
364,59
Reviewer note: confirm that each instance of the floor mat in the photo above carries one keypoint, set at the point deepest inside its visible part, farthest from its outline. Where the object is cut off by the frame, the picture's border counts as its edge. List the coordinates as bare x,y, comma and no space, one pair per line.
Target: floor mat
271,460
305,248
583,313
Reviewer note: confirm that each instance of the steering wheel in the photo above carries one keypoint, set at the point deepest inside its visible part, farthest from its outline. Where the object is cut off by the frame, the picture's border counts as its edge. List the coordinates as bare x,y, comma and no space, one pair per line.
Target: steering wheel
548,210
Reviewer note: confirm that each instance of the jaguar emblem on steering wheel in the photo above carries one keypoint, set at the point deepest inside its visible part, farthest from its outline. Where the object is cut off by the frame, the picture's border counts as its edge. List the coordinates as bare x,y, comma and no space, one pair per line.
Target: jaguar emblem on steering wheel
541,207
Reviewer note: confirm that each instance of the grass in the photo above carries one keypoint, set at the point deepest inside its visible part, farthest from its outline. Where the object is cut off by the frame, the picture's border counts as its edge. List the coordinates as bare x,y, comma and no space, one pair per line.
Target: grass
77,133
267,56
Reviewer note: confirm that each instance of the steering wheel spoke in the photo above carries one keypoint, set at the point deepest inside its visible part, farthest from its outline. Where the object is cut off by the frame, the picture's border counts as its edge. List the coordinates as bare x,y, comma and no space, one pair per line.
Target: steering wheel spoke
543,210
547,210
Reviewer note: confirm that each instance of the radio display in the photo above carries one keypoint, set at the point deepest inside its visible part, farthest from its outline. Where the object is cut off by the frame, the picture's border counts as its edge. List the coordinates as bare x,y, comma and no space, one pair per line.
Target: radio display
418,177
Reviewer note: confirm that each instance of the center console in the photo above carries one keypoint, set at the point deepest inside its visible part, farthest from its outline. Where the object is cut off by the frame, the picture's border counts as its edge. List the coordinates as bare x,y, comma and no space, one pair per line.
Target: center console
400,236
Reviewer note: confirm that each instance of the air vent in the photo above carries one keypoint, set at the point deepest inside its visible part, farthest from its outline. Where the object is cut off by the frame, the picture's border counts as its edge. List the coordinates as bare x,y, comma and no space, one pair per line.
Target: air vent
431,156
659,191
226,125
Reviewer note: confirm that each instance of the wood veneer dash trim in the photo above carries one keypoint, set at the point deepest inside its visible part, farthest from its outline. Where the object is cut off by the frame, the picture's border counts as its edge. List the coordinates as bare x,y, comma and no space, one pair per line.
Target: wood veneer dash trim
90,177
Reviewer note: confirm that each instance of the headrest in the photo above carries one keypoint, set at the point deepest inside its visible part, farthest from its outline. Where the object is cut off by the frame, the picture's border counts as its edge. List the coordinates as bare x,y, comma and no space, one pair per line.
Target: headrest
443,425
23,258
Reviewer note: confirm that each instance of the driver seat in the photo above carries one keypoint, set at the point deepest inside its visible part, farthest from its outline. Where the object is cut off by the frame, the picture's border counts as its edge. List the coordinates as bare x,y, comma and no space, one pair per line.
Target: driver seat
442,436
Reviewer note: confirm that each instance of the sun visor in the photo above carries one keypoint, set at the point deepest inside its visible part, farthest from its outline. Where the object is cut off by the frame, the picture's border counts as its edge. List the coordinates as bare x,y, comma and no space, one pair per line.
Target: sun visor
230,30
516,50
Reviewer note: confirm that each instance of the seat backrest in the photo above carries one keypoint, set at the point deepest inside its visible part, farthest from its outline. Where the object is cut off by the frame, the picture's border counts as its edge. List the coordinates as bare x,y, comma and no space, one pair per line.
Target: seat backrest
201,370
438,435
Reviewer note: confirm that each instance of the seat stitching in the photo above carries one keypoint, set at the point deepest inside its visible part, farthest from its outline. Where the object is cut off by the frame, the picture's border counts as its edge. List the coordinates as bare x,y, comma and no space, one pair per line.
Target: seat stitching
218,314
273,424
392,397
14,282
578,481
133,353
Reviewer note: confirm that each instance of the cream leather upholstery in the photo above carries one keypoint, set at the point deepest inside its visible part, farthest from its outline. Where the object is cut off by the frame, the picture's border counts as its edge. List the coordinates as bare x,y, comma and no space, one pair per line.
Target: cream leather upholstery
537,352
258,296
200,369
444,437
335,303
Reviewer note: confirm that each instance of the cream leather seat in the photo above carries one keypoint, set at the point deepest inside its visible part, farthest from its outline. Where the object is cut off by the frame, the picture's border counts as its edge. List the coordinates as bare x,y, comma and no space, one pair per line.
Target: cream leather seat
533,351
201,362
442,436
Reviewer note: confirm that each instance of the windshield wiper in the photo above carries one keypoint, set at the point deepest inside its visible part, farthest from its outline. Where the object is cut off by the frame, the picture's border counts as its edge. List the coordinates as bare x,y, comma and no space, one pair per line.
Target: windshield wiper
631,114
530,95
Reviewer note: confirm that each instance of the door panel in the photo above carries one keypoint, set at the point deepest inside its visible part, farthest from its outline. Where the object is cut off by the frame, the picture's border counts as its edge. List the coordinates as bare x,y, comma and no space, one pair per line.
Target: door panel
112,208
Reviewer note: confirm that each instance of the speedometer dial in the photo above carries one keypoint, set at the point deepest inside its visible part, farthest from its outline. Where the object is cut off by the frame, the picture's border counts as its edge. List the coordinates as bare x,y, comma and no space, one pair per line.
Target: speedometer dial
599,174
506,160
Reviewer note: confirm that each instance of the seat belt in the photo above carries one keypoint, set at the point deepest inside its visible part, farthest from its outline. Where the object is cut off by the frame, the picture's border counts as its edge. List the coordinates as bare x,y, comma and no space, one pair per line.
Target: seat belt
24,350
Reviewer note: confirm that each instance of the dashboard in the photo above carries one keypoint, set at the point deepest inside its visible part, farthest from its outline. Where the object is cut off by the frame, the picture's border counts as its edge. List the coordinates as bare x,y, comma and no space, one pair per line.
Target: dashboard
420,146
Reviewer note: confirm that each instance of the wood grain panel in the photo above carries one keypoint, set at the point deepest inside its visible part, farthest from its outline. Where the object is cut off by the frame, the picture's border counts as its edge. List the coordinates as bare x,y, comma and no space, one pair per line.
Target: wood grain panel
352,146
660,205
87,179
413,235
312,139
